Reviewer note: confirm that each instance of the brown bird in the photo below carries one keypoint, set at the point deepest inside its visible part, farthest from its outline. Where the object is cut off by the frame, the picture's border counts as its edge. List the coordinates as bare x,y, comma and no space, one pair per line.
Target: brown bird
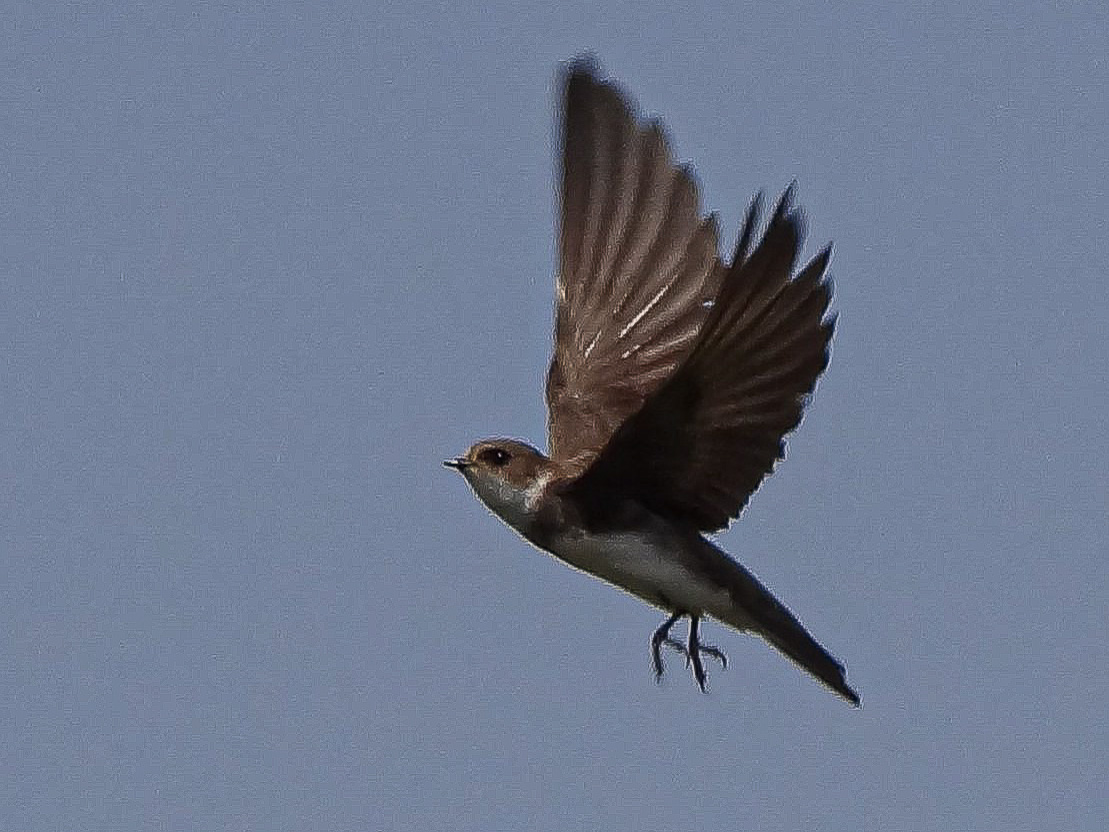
674,379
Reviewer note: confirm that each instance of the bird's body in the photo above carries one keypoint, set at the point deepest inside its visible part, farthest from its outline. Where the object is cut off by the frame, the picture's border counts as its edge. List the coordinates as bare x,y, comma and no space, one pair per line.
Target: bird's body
674,380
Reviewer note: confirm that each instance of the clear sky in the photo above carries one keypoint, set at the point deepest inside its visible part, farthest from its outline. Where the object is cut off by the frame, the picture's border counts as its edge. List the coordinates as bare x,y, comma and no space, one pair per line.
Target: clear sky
263,269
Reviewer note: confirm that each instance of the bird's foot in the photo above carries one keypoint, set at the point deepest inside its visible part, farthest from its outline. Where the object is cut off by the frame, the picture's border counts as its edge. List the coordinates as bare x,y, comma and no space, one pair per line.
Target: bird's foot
706,649
693,649
660,637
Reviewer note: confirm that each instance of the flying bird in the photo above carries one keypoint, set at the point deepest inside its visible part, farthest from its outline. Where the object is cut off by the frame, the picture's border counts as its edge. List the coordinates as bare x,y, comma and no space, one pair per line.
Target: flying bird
674,379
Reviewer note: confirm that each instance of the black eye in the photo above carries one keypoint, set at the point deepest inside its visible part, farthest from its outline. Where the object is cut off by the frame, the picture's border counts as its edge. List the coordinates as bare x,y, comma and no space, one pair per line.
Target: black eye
494,456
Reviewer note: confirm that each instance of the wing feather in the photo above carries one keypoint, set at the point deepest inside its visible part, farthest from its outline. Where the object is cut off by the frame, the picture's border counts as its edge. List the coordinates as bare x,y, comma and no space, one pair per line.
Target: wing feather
637,267
702,443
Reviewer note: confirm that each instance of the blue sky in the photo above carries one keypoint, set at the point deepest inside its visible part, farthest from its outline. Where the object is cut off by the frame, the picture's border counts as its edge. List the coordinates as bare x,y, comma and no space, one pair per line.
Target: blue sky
264,268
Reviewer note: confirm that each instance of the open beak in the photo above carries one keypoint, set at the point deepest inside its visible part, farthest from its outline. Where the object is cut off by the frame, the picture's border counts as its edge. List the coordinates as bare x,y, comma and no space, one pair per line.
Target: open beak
458,463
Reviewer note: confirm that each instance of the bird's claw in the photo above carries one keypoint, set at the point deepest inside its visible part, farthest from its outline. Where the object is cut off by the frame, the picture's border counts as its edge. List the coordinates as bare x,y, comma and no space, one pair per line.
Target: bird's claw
707,649
692,650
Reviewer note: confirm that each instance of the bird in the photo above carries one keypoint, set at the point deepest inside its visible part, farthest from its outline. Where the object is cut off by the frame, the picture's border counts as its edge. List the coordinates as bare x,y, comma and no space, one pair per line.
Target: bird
676,375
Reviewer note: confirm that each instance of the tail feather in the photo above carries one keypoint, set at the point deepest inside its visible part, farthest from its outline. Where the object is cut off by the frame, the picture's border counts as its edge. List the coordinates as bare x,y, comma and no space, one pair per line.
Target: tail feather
806,652
757,610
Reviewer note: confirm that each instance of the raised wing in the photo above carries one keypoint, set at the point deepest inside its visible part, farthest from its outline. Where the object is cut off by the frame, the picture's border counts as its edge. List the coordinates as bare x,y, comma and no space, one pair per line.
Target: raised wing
702,444
638,267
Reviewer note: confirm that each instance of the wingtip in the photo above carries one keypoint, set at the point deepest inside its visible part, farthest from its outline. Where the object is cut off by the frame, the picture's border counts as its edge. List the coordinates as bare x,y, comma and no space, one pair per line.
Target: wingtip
583,64
785,202
743,244
585,88
822,259
786,215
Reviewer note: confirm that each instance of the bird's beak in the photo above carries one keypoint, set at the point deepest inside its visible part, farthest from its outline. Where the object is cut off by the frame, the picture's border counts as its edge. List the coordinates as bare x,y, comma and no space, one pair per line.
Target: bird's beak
458,463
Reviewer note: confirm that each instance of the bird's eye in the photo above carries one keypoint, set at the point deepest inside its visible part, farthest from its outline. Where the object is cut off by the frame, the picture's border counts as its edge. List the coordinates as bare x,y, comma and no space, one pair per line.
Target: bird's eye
494,456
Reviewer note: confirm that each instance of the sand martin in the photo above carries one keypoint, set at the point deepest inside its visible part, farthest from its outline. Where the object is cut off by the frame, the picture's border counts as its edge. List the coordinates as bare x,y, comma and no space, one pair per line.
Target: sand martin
674,379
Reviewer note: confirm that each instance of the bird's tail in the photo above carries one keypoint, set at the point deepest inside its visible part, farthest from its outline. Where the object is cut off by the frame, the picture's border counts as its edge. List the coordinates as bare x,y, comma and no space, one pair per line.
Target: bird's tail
756,609
796,643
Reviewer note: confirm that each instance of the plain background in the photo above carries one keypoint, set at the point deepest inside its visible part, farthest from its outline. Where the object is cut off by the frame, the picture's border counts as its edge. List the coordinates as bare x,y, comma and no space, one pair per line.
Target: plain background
263,268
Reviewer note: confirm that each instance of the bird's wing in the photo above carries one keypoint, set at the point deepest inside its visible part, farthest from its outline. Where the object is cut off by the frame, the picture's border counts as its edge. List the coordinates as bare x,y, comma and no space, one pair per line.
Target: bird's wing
704,441
638,267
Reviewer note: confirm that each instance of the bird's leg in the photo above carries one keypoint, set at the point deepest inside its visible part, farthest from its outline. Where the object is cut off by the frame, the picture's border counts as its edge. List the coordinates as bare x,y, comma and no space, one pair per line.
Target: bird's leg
708,649
694,649
662,636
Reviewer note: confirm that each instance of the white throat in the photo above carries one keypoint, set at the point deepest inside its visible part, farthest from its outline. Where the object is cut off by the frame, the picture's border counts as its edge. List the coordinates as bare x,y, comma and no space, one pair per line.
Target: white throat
513,504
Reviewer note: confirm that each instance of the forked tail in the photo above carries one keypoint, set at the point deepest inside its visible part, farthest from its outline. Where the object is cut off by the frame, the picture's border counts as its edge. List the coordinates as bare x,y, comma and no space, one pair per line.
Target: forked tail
756,609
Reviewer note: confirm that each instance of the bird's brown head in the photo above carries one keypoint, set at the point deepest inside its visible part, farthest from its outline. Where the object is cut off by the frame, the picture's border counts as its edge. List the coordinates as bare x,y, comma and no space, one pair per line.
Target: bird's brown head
506,475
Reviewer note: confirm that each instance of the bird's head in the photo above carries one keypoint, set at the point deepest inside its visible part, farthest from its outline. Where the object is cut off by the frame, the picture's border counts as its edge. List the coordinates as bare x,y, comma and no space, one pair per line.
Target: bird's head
506,475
